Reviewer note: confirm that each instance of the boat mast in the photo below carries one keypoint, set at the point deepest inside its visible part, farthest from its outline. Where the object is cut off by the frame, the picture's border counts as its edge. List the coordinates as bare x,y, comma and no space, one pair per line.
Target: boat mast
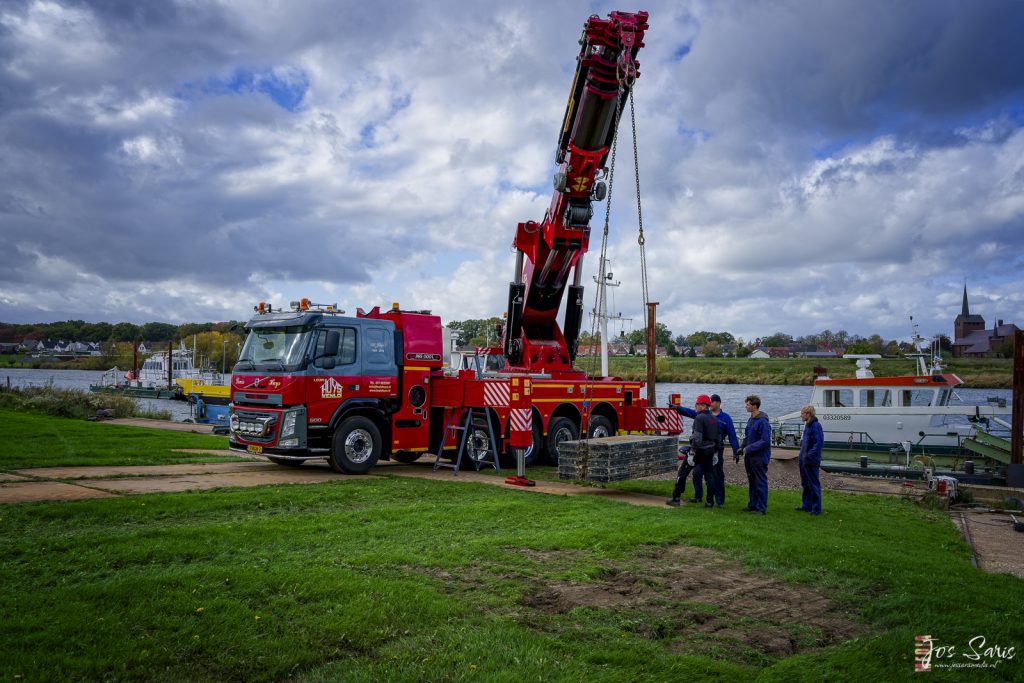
604,280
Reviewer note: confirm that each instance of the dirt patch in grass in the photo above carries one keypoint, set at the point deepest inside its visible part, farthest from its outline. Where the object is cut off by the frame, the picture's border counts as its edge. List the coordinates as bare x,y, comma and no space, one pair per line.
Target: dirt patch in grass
698,602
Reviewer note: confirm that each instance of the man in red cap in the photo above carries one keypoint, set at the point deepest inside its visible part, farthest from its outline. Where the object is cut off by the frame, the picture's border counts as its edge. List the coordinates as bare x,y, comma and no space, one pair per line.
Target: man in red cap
705,440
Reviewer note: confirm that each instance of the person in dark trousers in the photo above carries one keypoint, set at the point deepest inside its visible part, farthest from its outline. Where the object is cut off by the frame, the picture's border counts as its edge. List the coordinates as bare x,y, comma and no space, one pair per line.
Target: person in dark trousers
757,452
810,461
686,466
727,429
705,441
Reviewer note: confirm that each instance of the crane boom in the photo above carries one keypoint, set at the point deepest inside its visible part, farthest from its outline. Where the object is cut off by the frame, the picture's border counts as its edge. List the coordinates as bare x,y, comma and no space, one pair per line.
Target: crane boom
549,252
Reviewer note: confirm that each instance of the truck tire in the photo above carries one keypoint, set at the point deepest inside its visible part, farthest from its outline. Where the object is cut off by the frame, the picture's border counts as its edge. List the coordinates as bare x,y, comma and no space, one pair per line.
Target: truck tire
284,462
479,444
599,427
560,429
356,446
406,457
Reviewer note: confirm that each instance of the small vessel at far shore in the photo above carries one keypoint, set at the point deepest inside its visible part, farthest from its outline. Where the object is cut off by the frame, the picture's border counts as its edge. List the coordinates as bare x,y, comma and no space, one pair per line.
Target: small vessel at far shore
907,420
170,374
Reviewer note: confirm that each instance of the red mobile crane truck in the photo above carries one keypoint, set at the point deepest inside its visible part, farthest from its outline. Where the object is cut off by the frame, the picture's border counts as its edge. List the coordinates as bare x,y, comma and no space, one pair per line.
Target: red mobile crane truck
313,383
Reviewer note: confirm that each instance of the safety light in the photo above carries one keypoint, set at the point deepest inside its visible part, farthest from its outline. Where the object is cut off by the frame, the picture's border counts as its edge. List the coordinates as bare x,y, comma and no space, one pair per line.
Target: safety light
304,304
262,308
394,306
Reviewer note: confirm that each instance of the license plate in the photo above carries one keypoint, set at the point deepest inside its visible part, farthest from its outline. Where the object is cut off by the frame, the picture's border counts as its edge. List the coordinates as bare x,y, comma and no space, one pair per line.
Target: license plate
255,449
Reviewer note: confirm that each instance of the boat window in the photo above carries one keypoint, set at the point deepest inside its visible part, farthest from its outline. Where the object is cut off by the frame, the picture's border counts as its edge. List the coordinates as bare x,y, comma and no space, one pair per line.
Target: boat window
875,398
917,397
838,398
944,397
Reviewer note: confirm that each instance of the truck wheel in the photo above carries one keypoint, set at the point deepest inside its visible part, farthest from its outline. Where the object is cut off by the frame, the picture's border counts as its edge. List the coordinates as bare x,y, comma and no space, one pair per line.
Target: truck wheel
478,448
599,427
560,429
406,457
356,446
284,462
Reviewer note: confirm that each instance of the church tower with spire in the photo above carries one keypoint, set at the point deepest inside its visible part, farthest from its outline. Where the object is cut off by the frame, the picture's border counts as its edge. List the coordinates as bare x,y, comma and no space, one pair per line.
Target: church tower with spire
965,323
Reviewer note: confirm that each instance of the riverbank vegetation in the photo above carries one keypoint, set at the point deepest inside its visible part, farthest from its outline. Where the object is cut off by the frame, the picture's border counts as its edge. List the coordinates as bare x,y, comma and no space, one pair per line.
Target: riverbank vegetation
990,373
391,578
51,400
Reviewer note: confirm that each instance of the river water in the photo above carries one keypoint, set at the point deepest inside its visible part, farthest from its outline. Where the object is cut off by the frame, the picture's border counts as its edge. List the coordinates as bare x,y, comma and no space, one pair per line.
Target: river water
775,399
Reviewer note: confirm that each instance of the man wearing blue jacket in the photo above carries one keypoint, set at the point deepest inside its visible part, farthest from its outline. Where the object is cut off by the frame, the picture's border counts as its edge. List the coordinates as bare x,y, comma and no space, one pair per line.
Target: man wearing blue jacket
810,461
756,451
705,446
727,429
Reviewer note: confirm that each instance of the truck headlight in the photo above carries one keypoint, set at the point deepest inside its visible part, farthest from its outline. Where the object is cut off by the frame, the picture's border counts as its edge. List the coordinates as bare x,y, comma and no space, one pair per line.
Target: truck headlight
234,422
288,424
288,443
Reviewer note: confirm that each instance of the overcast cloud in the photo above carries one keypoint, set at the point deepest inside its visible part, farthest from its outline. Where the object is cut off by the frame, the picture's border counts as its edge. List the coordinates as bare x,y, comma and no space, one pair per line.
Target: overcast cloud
804,165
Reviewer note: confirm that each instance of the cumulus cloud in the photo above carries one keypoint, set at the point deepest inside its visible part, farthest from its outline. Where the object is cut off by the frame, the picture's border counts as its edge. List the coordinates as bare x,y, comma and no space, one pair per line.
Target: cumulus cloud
803,165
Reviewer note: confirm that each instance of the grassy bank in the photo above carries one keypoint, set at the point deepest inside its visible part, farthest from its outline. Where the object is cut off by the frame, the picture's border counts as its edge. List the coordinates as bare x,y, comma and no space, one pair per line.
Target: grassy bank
976,373
388,578
44,441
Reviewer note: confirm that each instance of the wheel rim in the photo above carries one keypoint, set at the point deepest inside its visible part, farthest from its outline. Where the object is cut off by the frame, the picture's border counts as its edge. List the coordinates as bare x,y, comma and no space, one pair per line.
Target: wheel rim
479,445
563,434
358,446
599,432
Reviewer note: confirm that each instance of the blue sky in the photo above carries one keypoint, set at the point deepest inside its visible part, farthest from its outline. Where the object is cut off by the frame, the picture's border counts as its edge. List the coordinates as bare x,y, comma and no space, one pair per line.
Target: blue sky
804,166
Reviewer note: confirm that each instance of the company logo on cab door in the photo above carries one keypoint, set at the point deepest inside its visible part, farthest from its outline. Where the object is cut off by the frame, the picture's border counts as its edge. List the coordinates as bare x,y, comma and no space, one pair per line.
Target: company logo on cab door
331,388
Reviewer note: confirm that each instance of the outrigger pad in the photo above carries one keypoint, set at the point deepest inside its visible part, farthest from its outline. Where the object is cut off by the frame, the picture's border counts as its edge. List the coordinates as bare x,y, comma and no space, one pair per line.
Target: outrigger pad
519,481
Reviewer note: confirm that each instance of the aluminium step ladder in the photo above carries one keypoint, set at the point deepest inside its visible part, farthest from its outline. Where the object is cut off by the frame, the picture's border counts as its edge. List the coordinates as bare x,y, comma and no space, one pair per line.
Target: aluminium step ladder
489,457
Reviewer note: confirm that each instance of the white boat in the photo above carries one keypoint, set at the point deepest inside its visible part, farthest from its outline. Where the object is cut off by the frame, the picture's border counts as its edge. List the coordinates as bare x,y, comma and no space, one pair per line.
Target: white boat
907,414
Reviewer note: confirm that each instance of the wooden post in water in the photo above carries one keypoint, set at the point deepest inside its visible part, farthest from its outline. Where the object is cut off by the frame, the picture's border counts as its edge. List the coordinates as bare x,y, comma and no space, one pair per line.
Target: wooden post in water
652,347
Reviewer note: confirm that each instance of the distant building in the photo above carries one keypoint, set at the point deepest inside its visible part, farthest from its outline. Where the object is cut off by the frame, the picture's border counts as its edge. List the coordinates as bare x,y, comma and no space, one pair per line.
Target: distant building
758,353
973,340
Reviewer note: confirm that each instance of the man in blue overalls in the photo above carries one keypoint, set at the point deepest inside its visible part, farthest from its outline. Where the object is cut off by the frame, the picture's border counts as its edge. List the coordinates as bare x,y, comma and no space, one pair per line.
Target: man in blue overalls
810,461
757,452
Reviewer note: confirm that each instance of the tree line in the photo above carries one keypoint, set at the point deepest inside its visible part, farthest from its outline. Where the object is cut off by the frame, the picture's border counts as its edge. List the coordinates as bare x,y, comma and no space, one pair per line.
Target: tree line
81,331
483,332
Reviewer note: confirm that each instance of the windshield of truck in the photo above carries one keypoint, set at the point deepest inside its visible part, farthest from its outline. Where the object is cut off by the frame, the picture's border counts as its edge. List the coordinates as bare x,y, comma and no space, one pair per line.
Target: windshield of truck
274,348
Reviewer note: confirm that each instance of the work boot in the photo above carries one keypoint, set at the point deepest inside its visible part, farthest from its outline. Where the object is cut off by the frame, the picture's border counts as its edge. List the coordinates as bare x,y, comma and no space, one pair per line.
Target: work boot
674,502
709,506
695,500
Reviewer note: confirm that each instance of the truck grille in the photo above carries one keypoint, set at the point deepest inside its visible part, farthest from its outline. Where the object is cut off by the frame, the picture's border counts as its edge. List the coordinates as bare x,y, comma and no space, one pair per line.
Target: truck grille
254,427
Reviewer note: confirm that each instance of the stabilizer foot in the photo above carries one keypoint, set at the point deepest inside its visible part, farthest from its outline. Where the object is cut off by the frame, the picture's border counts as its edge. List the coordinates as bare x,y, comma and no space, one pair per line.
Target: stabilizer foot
519,481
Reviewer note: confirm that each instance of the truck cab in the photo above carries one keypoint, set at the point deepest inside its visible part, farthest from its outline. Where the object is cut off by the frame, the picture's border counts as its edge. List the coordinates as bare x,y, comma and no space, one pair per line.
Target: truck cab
312,383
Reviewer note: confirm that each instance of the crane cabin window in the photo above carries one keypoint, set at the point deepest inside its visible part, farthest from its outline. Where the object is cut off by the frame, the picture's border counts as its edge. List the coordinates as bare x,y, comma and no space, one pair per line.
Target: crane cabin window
838,398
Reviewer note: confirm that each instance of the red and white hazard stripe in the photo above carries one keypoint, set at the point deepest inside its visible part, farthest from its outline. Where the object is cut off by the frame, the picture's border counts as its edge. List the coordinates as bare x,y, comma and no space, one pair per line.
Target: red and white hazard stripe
496,394
663,420
520,419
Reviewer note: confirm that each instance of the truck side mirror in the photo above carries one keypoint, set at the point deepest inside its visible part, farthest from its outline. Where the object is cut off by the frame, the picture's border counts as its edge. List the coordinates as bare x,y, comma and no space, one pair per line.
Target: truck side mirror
332,343
329,358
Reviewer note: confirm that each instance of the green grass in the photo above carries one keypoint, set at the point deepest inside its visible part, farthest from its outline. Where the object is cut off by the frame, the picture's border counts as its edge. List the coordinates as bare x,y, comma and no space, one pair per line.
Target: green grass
391,578
44,441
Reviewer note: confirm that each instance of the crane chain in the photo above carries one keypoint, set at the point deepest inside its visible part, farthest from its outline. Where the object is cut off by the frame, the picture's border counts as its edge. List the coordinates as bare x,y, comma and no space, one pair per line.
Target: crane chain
639,215
588,386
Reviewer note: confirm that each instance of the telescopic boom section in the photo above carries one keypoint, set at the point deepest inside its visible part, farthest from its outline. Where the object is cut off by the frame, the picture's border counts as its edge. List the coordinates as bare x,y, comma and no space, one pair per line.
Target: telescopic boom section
550,252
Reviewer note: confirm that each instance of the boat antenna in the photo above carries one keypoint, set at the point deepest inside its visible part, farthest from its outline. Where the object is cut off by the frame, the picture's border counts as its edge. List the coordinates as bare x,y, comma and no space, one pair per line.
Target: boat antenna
918,341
